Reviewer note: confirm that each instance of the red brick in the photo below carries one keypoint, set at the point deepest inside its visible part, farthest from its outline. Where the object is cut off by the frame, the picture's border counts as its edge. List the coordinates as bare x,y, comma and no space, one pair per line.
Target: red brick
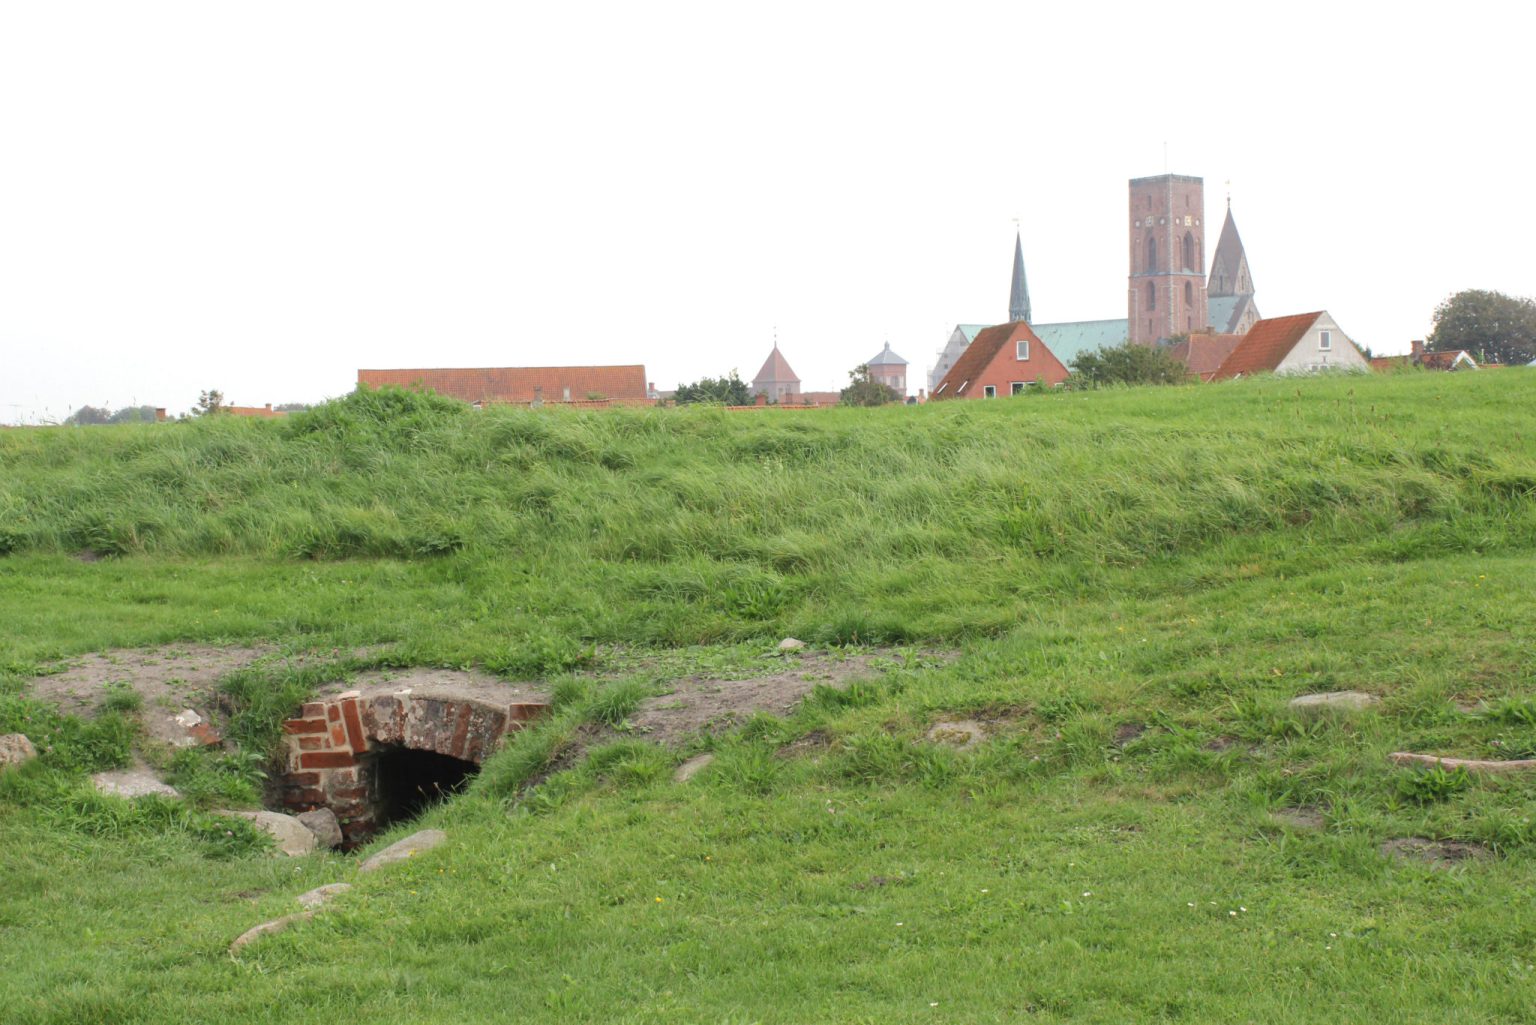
461,731
326,760
348,793
301,779
525,711
333,713
338,735
304,726
303,796
355,735
312,709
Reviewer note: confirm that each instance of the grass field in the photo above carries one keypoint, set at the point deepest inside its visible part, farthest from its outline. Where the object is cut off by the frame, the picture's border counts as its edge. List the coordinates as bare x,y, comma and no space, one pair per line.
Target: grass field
1135,584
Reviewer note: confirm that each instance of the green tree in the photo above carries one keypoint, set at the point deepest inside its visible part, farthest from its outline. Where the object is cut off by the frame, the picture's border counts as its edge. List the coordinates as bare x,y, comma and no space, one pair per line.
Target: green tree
209,403
729,391
89,415
1492,326
1126,363
864,390
133,415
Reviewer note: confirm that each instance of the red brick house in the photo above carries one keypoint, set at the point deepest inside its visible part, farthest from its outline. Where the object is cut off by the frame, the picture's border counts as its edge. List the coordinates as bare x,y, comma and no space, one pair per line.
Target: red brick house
1203,352
1450,359
622,385
1003,360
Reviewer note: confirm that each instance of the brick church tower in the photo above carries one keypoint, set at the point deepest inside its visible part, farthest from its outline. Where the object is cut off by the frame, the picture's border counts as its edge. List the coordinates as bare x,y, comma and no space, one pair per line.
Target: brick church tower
1167,280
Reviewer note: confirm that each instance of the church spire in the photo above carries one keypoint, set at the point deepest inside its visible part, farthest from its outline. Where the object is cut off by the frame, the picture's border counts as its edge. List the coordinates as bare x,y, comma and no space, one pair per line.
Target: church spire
1018,294
1229,270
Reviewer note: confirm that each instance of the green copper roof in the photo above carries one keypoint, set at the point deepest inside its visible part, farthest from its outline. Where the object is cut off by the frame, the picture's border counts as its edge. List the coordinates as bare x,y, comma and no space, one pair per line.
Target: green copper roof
1069,340
972,330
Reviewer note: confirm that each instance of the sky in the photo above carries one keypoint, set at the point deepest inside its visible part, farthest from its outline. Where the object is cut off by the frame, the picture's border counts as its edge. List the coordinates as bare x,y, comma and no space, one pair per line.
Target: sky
264,198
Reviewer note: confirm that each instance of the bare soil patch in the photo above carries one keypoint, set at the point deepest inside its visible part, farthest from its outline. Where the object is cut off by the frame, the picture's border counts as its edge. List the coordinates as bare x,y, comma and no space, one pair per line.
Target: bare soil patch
462,685
1440,854
704,705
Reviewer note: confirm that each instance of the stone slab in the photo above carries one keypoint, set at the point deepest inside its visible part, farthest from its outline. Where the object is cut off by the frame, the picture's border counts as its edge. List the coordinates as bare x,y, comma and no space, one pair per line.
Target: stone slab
131,783
403,849
293,838
322,895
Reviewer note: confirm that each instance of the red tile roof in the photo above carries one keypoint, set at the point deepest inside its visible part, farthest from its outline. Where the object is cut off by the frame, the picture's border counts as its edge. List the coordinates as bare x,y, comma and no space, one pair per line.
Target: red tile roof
518,384
977,357
1204,352
253,411
1266,344
775,371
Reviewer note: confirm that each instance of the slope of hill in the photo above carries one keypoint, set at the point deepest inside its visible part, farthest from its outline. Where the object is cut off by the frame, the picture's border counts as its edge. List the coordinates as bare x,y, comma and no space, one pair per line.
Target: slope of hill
1137,583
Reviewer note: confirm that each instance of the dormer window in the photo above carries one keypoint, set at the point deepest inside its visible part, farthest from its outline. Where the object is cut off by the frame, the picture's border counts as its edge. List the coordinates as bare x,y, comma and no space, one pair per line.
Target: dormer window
1021,349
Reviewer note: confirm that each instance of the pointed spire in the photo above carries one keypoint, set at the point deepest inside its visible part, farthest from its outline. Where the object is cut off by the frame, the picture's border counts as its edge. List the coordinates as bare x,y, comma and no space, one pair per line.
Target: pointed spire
1018,294
1229,268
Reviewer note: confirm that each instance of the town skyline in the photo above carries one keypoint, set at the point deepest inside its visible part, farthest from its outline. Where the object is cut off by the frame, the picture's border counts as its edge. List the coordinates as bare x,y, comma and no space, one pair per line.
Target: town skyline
182,220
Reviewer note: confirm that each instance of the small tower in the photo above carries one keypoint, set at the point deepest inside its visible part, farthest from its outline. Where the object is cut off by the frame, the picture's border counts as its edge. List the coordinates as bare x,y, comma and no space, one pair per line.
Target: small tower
1018,292
890,370
776,380
1230,288
1167,259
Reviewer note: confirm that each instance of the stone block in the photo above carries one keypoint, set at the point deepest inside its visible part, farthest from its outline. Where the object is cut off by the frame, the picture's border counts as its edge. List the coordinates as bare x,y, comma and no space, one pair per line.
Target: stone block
16,749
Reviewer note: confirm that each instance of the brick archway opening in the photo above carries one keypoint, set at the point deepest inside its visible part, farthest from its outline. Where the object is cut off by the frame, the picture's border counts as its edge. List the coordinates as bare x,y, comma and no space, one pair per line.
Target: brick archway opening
406,781
377,758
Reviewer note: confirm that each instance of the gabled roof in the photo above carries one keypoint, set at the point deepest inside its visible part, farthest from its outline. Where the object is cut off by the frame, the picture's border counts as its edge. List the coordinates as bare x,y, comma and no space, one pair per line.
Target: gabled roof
1447,360
1266,344
1202,353
775,370
975,360
887,358
1225,312
1071,339
1229,269
517,384
970,331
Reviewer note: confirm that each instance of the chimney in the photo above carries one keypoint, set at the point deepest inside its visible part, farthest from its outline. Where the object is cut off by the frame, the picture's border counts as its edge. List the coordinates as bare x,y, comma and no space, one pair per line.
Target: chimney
1417,346
269,407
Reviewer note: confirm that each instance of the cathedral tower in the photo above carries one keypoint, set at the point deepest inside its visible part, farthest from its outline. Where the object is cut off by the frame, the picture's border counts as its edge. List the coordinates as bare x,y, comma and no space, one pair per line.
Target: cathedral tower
1167,267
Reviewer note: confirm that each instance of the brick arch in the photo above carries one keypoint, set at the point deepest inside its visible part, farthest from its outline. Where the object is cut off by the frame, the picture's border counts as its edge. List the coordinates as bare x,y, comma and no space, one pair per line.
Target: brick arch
332,745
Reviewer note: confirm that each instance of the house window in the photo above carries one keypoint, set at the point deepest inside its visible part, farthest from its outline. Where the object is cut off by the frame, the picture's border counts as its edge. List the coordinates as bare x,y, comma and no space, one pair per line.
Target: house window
989,391
1325,339
1021,349
941,387
1016,387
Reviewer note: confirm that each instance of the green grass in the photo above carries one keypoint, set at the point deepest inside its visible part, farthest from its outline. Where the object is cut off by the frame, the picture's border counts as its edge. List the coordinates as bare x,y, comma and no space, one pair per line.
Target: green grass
1184,560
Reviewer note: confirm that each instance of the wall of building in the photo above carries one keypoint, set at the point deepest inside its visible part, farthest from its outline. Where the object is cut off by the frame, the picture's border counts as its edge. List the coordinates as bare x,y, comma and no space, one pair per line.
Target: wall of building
1308,355
1166,293
1006,368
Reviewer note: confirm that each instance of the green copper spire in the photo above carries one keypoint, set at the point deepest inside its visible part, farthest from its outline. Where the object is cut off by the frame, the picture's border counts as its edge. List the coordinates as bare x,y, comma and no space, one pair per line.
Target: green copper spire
1018,295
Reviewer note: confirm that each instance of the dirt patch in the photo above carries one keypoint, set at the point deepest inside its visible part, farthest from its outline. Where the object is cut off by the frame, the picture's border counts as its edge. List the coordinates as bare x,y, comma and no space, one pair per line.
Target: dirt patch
167,680
960,733
460,685
1439,854
1125,733
1306,817
813,742
698,705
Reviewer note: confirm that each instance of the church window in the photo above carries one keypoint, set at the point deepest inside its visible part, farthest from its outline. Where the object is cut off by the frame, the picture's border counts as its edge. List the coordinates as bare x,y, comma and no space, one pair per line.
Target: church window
1189,251
1325,340
1151,266
1189,294
1151,296
989,392
1021,349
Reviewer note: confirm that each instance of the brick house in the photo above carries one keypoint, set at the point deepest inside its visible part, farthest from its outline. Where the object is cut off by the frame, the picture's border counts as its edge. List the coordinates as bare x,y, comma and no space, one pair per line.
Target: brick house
776,379
1003,360
622,385
1451,359
890,370
1300,344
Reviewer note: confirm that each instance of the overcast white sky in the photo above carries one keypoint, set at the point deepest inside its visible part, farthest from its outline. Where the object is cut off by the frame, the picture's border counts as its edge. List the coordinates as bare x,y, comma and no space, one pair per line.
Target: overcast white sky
264,197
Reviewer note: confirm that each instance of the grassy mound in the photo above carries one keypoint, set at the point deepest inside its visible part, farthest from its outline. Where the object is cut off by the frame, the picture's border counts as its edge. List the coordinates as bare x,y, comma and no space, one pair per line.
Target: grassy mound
1137,582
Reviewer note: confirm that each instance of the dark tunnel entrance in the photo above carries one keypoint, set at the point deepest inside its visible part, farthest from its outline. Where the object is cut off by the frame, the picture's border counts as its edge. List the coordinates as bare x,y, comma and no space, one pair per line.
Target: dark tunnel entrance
407,781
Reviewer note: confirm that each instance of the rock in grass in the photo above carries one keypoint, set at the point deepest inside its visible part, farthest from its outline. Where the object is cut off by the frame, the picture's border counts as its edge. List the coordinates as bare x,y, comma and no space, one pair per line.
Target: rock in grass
1335,701
293,837
15,749
322,895
322,822
267,928
791,644
402,849
692,767
131,783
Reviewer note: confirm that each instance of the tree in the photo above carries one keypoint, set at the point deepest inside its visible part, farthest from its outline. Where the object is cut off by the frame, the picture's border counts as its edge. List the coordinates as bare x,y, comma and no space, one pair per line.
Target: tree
1492,326
729,391
133,415
209,403
864,390
1126,363
89,415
